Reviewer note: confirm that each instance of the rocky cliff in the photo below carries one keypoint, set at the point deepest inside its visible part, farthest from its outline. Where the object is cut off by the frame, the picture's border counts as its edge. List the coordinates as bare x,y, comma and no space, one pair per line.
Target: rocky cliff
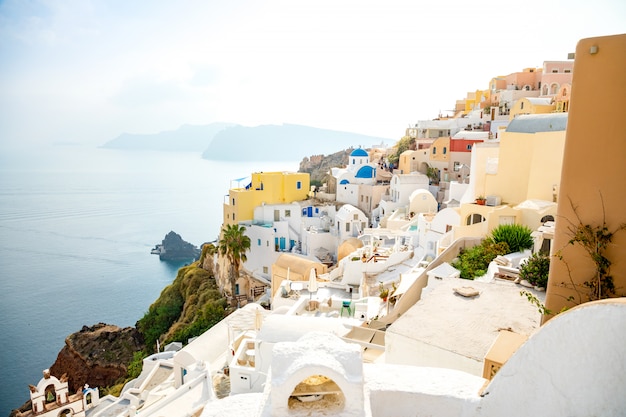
318,166
174,248
97,355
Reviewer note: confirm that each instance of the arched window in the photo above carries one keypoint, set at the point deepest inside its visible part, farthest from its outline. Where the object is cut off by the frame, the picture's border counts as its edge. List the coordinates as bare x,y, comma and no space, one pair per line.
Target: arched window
545,90
66,413
474,218
554,88
51,395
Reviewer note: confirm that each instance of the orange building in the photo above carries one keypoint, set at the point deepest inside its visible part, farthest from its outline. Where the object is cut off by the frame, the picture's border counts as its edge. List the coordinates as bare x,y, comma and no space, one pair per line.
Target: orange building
592,178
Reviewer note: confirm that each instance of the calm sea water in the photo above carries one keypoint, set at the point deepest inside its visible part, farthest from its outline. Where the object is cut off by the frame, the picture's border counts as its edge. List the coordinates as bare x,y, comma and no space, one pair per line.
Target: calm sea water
76,228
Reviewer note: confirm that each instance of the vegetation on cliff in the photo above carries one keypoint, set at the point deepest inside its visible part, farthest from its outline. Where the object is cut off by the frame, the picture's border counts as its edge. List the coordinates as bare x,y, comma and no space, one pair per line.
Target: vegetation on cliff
186,308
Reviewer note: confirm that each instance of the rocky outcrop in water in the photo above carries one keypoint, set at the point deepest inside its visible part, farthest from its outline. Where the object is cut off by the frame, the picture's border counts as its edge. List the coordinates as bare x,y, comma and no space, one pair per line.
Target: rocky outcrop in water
174,248
97,355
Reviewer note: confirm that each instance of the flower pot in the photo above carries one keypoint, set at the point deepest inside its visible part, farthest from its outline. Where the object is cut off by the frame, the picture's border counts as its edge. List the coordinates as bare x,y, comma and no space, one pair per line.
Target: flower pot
481,202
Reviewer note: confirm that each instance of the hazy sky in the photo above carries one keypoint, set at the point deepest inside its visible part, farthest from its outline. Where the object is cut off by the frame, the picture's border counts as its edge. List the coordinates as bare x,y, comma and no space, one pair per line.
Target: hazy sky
88,70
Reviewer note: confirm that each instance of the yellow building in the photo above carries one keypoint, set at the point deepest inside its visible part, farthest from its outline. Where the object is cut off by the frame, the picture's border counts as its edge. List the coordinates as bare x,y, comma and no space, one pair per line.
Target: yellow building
593,167
475,100
440,150
562,98
526,165
529,161
268,188
532,105
414,161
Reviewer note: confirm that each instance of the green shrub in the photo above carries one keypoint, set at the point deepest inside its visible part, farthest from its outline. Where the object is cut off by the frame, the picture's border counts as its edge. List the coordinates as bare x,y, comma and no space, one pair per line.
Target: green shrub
473,262
517,236
536,269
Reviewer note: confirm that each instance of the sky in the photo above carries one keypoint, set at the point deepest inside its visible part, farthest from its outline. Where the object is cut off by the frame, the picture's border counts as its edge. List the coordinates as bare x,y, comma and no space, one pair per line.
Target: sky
85,71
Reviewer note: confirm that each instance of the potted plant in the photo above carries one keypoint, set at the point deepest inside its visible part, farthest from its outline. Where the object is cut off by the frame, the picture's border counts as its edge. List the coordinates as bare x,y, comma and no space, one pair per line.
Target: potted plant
383,292
481,200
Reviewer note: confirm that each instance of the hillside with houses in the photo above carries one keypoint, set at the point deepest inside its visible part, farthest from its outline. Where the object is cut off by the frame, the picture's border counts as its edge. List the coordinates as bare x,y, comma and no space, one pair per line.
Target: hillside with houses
350,296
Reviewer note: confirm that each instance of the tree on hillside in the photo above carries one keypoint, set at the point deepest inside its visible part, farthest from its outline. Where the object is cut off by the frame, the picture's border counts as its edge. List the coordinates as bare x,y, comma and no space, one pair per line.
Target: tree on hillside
404,144
206,258
233,245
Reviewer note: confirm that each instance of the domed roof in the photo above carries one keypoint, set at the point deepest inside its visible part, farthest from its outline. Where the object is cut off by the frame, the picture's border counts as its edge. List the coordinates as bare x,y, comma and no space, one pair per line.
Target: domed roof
359,152
366,172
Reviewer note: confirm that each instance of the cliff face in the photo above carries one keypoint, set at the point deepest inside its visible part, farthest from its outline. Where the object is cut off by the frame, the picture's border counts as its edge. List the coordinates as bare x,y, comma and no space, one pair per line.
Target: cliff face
97,355
318,166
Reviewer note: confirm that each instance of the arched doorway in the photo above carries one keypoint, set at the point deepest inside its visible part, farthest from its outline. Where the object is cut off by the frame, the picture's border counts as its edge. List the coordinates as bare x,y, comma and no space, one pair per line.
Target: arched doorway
67,412
316,394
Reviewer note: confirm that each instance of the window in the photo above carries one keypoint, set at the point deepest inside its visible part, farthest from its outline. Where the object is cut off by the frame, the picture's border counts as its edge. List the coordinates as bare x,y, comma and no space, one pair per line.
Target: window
347,227
233,201
521,105
265,270
555,71
554,88
469,147
258,242
445,150
457,165
434,150
567,71
233,216
287,213
474,218
355,217
299,185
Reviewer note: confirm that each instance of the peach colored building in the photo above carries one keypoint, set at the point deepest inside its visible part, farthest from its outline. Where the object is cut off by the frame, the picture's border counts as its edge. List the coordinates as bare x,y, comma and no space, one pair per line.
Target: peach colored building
554,75
593,166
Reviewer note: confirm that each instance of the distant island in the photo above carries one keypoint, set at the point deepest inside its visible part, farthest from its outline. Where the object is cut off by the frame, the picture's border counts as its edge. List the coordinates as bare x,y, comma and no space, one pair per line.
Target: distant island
187,138
229,142
174,248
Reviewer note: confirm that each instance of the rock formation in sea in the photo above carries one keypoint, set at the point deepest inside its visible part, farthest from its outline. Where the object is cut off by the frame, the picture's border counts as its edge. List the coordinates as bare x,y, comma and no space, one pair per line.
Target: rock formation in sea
174,248
97,355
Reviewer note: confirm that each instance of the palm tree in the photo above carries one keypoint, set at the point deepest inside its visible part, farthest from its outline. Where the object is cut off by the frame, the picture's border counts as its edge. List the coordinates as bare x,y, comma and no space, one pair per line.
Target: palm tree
234,244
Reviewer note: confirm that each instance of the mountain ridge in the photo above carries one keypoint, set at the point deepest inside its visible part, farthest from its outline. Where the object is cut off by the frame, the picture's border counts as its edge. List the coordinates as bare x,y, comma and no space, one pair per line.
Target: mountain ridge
230,142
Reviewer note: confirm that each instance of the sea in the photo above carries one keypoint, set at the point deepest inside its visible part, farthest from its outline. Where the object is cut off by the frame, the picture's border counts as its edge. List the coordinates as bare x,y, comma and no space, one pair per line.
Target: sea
76,227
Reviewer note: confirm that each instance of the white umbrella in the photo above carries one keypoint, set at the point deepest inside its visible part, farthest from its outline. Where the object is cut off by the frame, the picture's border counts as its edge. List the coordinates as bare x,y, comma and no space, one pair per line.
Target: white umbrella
312,282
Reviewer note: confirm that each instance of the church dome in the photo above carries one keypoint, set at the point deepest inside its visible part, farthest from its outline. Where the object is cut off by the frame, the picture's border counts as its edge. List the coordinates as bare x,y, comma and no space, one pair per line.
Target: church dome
366,172
359,152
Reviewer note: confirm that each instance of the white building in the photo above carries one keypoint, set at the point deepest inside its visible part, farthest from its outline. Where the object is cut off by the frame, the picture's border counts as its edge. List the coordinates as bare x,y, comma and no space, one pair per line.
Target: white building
350,222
